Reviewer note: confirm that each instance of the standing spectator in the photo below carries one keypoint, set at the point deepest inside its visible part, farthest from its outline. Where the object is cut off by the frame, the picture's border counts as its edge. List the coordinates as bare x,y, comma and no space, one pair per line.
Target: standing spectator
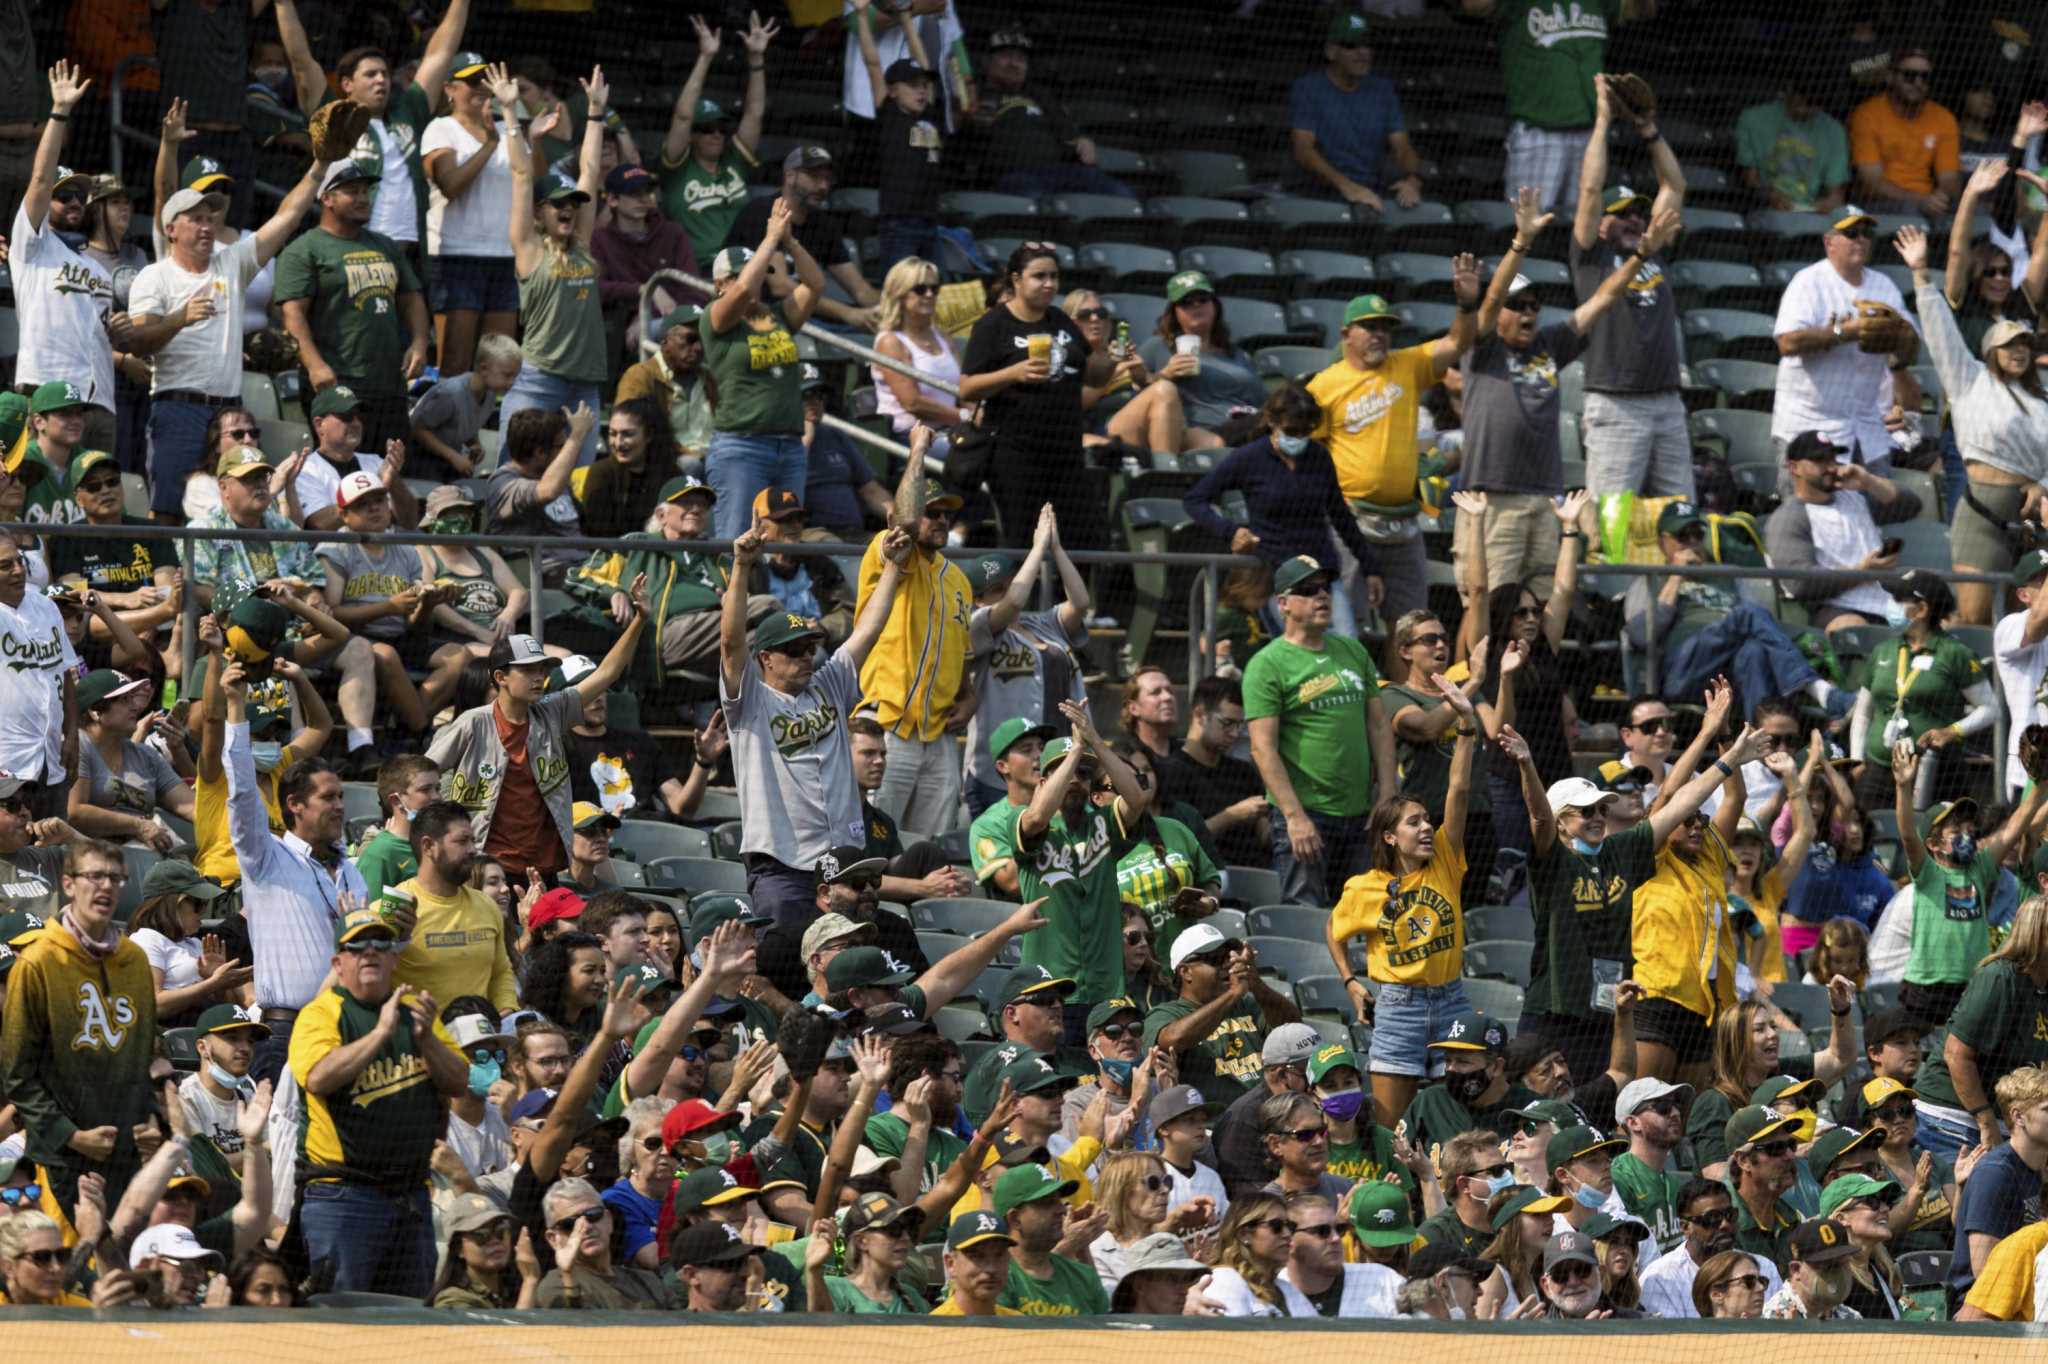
1548,58
1371,398
905,331
1345,123
458,940
909,142
705,156
1420,647
1024,134
529,490
1216,378
2003,1192
2017,644
406,785
469,200
1033,404
915,673
673,375
79,1031
62,296
39,713
1992,278
313,480
57,414
213,1096
1831,521
1512,404
1636,437
1906,148
749,342
1014,749
1204,773
1760,1145
449,418
561,316
807,178
1826,382
374,1070
1320,739
631,245
1925,689
1794,154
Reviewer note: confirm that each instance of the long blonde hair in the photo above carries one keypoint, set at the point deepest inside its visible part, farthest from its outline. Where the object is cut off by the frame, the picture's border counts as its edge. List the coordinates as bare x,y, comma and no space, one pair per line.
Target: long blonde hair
1231,1251
1120,1174
2026,942
896,286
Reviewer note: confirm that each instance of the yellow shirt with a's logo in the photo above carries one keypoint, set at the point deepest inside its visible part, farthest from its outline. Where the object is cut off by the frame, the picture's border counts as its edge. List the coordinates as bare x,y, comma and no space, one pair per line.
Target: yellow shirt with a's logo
1413,926
1369,420
1682,930
914,673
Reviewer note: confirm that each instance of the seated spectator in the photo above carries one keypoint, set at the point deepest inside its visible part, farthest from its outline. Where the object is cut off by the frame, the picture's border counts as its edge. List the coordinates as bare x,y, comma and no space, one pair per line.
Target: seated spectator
1732,1283
813,585
1442,1284
707,154
584,1277
121,782
406,785
1023,132
140,579
623,486
1830,521
840,491
231,428
1219,1024
1217,380
311,481
479,1270
673,376
1573,1286
1345,124
529,490
191,972
382,593
1132,405
1817,1275
447,418
1792,152
1925,686
624,770
487,600
807,178
880,1233
712,1262
632,245
57,412
245,476
1906,148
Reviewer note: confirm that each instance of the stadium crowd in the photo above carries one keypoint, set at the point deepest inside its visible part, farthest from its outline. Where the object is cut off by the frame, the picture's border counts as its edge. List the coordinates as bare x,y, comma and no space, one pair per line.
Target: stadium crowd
1365,974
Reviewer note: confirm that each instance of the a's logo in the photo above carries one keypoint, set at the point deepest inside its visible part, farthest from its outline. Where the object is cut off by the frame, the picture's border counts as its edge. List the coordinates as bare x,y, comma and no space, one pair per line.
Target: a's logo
1457,1031
982,1221
103,1024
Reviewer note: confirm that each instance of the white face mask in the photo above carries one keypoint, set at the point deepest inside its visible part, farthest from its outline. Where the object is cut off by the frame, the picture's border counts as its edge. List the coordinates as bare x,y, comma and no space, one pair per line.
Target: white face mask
1290,446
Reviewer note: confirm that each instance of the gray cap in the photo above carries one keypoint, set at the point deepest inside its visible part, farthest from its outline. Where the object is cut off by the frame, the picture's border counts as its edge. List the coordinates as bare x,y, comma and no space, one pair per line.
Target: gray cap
1173,1102
1568,1245
1638,1092
1290,1044
1160,1250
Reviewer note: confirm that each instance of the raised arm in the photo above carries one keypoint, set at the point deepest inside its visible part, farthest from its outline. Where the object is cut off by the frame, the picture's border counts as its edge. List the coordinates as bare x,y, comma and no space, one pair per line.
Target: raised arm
557,1136
729,307
732,611
439,58
1445,350
1694,793
597,93
1005,612
1073,608
950,976
2014,830
67,87
1557,612
1794,776
619,657
309,81
874,614
682,120
248,821
1593,169
519,156
1954,365
554,480
1719,699
1956,281
1458,795
1130,795
1530,219
754,107
1663,228
870,55
272,236
164,175
728,956
1051,793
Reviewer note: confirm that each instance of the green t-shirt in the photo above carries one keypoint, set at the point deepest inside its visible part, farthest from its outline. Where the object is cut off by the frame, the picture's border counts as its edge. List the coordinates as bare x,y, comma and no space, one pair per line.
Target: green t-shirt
1950,931
886,1134
564,316
706,202
1369,1157
1926,685
1549,54
1799,160
847,1298
351,290
1434,1116
1582,907
1445,1229
760,379
2003,1017
1145,879
1425,767
1074,1290
1651,1195
386,860
1706,1122
1320,698
992,840
984,1078
1076,873
1224,1064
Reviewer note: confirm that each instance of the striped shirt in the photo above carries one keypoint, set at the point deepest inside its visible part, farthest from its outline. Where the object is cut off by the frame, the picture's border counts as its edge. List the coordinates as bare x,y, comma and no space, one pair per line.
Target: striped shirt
291,902
914,673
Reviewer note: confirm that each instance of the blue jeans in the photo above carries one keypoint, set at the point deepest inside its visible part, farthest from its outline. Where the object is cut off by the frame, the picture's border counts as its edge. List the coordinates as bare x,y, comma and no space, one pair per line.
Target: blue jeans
1345,855
1945,1133
1064,177
270,1053
739,466
1751,648
1510,815
1954,477
536,388
1405,1020
787,894
902,237
177,441
375,1242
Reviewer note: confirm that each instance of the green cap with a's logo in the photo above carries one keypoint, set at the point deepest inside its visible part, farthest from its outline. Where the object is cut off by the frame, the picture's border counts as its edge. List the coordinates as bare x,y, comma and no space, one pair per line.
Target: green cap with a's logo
1014,731
83,463
986,570
1677,516
1379,1214
1295,572
336,400
467,64
1369,308
203,173
1188,282
1349,26
2031,566
785,627
55,396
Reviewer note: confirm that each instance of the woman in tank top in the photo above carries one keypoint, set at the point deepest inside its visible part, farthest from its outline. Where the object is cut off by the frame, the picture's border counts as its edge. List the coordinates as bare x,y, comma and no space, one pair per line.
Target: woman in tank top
910,295
489,602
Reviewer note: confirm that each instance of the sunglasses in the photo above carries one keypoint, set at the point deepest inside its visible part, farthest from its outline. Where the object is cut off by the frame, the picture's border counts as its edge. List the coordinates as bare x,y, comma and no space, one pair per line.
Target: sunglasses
1194,300
1134,937
1117,1032
1654,725
488,1054
1213,958
1316,588
1892,1113
650,1144
1777,1150
924,290
1859,234
564,1225
1309,1136
797,651
27,1194
1091,314
1531,1126
1525,306
861,883
1916,74
1488,1172
99,485
1322,1231
1665,1107
15,805
1999,271
690,1051
363,946
1719,1217
1571,1271
1433,638
69,196
48,1259
1749,1282
1156,1183
1273,1224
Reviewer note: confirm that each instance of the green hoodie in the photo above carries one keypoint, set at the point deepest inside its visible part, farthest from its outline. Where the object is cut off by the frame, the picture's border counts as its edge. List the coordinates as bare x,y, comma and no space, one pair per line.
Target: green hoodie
677,582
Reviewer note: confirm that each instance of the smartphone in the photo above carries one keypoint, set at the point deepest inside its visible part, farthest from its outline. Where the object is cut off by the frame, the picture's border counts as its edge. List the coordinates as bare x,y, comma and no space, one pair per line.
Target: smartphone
1891,546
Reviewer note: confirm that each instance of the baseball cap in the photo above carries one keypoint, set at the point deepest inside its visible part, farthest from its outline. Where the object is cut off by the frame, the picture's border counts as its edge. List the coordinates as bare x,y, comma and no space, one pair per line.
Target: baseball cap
1028,1184
472,1212
83,463
1756,1123
975,1228
559,903
708,911
843,863
1438,1256
227,1018
2003,332
1923,585
1054,750
1877,1091
864,967
185,200
1369,308
1290,1044
693,1117
682,485
1830,1146
173,876
361,923
1009,37
1334,1056
1939,813
443,500
709,111
102,685
1530,1199
1621,198
55,396
1188,282
829,928
1379,1215
730,261
518,651
21,927
255,628
354,487
583,814
1174,1101
709,1243
810,156
467,64
240,459
649,975
877,1210
1029,1074
560,189
1296,571
336,400
1785,1087
813,378
2031,566
1647,1089
1030,980
1678,515
1575,793
938,495
1560,1113
1108,1010
1812,445
785,627
777,504
1568,1247
1014,731
627,178
170,1241
1472,1030
986,570
1603,1225
347,173
1577,1142
470,1029
1840,1191
710,1187
1519,285
1849,217
903,71
204,173
893,1020
1348,26
1821,1241
532,1104
683,315
1193,941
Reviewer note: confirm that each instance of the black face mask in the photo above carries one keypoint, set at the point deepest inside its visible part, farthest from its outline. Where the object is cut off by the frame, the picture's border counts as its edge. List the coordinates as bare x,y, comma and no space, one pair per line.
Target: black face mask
1466,1088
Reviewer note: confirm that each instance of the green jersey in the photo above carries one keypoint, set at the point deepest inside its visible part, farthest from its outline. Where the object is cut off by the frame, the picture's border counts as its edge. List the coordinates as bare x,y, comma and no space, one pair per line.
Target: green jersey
405,118
887,1133
1550,50
1151,874
2003,1017
1425,767
992,840
563,316
385,860
1924,686
1582,904
706,202
1434,1116
1075,871
760,378
1445,1229
846,1298
1651,1195
1320,698
1951,930
1369,1156
1074,1290
1224,1064
351,289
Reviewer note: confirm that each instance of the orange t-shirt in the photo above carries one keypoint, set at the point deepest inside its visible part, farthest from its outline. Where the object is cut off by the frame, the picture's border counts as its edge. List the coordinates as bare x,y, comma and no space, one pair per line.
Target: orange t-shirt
523,833
1912,151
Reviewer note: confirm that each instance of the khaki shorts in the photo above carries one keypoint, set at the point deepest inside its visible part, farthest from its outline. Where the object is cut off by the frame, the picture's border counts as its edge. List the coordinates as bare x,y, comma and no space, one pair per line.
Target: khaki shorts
1518,543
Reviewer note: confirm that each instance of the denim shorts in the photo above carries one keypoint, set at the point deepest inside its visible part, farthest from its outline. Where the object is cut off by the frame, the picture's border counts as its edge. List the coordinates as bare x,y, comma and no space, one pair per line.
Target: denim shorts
477,284
1405,1020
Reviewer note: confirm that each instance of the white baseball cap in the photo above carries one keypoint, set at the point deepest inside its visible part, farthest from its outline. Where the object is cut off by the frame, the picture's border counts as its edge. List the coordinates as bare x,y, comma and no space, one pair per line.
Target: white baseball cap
1193,942
355,487
170,1241
1648,1089
470,1029
185,200
1575,793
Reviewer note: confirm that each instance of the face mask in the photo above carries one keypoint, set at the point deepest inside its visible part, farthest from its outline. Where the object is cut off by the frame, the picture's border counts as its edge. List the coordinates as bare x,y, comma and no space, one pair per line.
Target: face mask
277,78
1500,1183
1455,1312
1589,1198
1342,1106
1585,849
1290,446
482,1075
1895,614
718,1148
240,1084
1466,1088
1119,1072
267,755
1962,848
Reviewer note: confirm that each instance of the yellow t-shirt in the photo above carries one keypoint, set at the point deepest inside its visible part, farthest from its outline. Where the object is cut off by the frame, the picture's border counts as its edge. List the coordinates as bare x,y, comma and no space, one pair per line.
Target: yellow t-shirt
458,948
1683,940
2005,1289
1369,423
1765,955
915,670
215,859
1072,1164
949,1308
1422,940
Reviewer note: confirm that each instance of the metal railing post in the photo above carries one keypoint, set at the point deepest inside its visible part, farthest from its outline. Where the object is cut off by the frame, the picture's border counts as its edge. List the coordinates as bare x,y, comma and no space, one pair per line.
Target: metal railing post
188,651
536,612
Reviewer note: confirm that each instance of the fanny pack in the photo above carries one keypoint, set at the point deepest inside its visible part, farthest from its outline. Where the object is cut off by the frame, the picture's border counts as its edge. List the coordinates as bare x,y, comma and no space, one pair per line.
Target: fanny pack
1387,525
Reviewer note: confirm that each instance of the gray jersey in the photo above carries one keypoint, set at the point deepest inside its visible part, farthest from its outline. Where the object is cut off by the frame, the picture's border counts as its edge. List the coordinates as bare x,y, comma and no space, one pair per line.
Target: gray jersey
1027,670
798,798
365,580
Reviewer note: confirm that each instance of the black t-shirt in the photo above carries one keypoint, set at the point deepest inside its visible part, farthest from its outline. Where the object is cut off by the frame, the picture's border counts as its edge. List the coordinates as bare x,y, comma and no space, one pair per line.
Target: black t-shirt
781,956
822,234
910,163
1209,789
1031,420
599,764
1025,128
1634,347
111,565
1539,717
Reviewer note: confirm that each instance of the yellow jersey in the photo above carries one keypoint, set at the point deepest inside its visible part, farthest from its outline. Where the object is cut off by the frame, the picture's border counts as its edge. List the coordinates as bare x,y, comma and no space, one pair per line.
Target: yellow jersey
914,672
1414,926
1369,420
1765,955
215,858
1071,1164
1684,942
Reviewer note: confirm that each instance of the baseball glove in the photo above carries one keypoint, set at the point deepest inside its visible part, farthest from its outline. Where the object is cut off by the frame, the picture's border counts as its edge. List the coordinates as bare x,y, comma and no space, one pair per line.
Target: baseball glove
1883,331
802,1037
2034,752
335,129
1635,92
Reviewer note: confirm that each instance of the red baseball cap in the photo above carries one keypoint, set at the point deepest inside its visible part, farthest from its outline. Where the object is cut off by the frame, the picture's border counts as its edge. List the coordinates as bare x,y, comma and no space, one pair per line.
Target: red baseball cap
555,904
694,1118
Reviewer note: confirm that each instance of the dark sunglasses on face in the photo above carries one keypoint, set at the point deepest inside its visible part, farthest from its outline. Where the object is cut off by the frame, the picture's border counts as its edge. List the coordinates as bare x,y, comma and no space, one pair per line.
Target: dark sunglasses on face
1719,1217
1322,1232
1156,1183
650,1144
1664,1107
1571,1271
1091,314
1653,725
1859,234
30,1194
797,651
99,485
245,434
48,1259
1313,588
1278,1225
1194,300
1892,1113
69,196
1748,1282
1522,305
860,883
1526,613
565,1225
1117,1032
1999,271
690,1051
1434,638
1777,1150
1133,936
1920,75
362,946
924,290
1308,1136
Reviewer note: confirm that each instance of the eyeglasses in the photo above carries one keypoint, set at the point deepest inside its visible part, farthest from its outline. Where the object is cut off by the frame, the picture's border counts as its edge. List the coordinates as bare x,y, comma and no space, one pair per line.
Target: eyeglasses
1215,957
924,290
952,1077
1194,300
1890,1113
1322,1231
48,1259
1433,638
1719,1217
1751,1283
1278,1225
1156,1183
1654,725
1314,588
1091,314
99,485
1309,1136
1775,741
1229,725
1117,1032
1665,1107
690,1051
1523,305
27,1193
1571,1271
1488,1172
564,1225
1776,1150
1920,75
488,1054
1133,937
105,878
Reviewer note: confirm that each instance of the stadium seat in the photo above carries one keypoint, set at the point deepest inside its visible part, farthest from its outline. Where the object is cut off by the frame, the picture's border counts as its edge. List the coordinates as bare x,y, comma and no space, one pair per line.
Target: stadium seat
1304,923
984,213
1290,957
644,840
628,875
1235,270
1495,998
1925,544
1495,218
1744,383
1229,922
1129,265
937,944
962,914
1553,281
1322,318
718,804
259,396
1787,236
1207,173
695,875
1197,218
1140,310
284,437
135,496
1720,284
1325,994
1097,217
1500,923
1714,234
139,861
988,988
1507,961
1308,224
1281,363
725,840
1105,116
1255,322
359,801
1729,333
960,1020
1923,486
1923,1268
1426,320
1148,523
1329,272
1252,885
1425,227
1411,275
1745,436
1806,1003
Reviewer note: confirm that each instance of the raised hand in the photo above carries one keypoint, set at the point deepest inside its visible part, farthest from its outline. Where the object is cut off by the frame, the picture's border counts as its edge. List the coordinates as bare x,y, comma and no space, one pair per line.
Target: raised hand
1083,723
254,1114
1465,278
1783,766
2033,119
545,122
1513,744
523,1255
916,1103
759,35
1026,918
89,1217
1514,656
1905,764
597,91
1662,232
778,224
1470,503
729,956
1572,507
620,1019
746,547
1454,695
503,88
175,130
1985,178
1720,699
896,546
871,1059
1912,245
67,86
708,39
1530,218
818,1249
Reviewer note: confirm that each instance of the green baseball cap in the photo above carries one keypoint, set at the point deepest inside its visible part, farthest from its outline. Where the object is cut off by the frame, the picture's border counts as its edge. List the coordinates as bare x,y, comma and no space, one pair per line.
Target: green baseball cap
2031,566
682,485
1030,980
467,64
558,189
986,570
973,1228
102,685
1329,1058
937,494
709,911
1369,308
1054,750
83,463
55,396
1840,1191
1188,282
710,1187
865,966
21,928
336,400
778,628
1013,731
203,173
1348,26
1557,1112
1831,1145
174,877
1756,1123
1579,1141
1109,1009
1530,1199
650,977
1785,1087
1029,1184
1620,198
227,1018
1295,572
1935,815
709,111
1676,516
255,628
1029,1074
1379,1214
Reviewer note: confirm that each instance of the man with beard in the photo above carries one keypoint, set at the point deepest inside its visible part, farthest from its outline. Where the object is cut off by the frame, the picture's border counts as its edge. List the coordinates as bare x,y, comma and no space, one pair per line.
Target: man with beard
847,913
1855,502
807,176
1652,1113
1906,148
1042,1281
1760,1169
1706,1213
1476,1091
711,1266
1114,1027
1571,1282
457,944
1817,1276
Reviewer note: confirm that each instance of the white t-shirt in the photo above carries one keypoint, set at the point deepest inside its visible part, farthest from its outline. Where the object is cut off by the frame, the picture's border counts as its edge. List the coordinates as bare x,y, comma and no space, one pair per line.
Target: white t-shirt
61,301
319,480
1891,942
890,44
392,210
210,1116
38,655
206,357
2020,667
179,961
1368,1292
1667,1282
1840,392
1203,1181
483,1149
477,223
1228,1287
